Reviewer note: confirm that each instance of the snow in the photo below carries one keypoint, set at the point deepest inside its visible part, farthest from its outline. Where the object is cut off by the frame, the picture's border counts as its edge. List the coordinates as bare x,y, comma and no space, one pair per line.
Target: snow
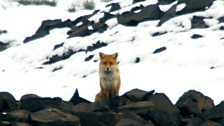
185,64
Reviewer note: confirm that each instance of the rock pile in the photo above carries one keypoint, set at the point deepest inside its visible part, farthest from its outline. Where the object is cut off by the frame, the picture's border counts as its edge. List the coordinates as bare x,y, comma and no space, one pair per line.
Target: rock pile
84,25
131,16
134,108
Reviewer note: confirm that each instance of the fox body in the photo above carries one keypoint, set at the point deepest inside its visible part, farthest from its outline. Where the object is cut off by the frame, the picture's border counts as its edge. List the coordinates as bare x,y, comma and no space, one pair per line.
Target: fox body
109,78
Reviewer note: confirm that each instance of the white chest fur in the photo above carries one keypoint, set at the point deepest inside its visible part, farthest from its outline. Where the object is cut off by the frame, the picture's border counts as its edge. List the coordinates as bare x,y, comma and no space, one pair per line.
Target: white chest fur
108,81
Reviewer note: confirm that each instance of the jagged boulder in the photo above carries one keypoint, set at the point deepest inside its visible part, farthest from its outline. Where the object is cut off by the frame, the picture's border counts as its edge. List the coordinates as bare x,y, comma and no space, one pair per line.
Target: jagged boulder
190,6
198,22
164,2
194,102
194,5
76,99
133,18
170,13
45,28
7,102
3,45
36,104
18,115
135,95
216,113
164,112
3,32
54,117
114,7
136,108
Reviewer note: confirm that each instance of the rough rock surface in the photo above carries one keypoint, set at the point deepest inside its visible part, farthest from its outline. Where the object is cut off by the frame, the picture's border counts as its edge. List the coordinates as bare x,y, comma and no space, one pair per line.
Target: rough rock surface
135,108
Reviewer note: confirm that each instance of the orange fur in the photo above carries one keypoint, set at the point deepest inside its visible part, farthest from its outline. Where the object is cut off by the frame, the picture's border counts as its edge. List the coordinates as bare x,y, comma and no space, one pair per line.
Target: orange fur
109,78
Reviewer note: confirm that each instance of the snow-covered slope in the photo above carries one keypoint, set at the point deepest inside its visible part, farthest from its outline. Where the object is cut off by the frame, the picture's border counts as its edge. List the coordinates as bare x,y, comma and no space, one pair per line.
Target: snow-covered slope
187,58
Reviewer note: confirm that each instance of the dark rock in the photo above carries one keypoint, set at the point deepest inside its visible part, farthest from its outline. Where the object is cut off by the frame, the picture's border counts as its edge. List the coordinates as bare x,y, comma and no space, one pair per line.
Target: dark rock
95,46
3,46
5,123
137,8
98,118
106,17
130,119
135,108
36,104
57,68
45,28
87,107
221,19
70,52
210,123
212,67
159,50
80,31
54,117
160,118
81,19
194,102
125,18
164,112
194,5
221,28
198,22
90,27
195,121
27,96
76,99
89,57
150,12
58,46
158,33
170,13
7,102
163,103
164,2
57,58
19,115
21,124
136,1
140,108
148,95
66,23
216,113
137,60
127,122
117,101
84,19
114,7
135,95
196,36
99,26
3,32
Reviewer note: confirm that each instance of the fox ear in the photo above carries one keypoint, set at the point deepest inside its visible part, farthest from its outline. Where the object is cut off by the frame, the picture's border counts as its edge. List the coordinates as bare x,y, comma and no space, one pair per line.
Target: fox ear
101,54
115,55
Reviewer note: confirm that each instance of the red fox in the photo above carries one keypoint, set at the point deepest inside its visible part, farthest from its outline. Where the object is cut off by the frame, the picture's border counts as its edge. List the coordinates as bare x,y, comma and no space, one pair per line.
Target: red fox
109,78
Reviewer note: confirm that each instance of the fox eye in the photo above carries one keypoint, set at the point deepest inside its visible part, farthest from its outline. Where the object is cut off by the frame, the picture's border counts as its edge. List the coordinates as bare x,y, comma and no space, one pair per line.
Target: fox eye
110,63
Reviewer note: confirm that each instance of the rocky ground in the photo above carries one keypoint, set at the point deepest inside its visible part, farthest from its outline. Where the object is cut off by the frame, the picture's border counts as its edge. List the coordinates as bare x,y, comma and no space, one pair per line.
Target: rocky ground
134,108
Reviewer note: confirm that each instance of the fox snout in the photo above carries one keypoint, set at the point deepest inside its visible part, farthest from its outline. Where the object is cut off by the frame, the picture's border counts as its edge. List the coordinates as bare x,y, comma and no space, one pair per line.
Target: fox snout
107,70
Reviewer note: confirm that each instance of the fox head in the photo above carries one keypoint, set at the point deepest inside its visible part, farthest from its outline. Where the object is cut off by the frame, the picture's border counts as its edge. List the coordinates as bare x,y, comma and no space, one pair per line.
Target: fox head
108,62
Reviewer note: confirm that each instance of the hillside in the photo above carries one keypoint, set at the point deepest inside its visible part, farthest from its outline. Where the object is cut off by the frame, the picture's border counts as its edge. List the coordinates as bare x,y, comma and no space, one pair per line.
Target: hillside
166,45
